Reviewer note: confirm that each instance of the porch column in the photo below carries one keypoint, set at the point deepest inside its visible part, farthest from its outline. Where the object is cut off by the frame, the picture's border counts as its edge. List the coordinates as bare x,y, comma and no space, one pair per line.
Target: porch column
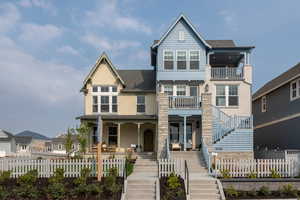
184,132
194,126
119,135
139,136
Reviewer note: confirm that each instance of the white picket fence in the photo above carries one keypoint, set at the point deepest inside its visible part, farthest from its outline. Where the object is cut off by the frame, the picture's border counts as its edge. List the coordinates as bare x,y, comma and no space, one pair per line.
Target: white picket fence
168,166
260,167
47,167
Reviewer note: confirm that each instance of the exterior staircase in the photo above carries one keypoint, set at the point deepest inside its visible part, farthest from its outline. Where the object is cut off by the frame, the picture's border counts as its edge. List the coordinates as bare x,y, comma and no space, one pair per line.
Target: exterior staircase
141,184
202,185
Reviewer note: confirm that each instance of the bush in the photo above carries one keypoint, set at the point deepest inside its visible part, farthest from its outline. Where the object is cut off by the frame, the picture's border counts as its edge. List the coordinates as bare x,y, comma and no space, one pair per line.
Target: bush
252,175
58,176
56,191
288,190
84,174
4,176
231,192
274,174
173,182
110,183
129,167
27,186
3,192
225,173
264,191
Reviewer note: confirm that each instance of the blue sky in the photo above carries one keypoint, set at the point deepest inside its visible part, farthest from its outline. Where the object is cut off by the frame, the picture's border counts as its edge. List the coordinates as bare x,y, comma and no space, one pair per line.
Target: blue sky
48,46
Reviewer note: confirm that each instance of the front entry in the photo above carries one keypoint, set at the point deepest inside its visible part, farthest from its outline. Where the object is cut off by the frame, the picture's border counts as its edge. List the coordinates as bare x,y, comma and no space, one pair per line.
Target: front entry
148,141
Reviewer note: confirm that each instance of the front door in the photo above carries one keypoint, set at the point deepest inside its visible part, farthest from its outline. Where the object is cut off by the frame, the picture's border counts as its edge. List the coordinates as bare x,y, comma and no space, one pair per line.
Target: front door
148,141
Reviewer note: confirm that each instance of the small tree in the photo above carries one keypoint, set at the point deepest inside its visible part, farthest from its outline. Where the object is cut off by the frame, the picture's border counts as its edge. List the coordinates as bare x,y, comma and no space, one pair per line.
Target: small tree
82,135
69,142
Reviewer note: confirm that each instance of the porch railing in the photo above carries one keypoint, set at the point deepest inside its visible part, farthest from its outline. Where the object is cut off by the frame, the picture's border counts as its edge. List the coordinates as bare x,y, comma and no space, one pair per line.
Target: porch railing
184,102
227,73
224,124
206,156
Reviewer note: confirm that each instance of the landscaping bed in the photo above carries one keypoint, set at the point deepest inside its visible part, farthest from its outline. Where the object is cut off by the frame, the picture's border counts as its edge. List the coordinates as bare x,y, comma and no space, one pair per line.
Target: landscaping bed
172,188
29,187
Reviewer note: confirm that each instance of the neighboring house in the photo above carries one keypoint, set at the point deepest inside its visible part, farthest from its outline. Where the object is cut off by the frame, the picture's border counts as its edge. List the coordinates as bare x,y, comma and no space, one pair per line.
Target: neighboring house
57,144
7,143
197,93
29,141
276,110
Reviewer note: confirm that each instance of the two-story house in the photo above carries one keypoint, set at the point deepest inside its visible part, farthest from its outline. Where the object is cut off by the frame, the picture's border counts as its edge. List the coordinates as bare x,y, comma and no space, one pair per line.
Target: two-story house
276,111
196,95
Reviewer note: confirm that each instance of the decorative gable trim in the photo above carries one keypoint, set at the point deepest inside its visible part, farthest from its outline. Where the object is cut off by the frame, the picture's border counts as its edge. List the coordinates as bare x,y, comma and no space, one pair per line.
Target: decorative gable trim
181,16
102,58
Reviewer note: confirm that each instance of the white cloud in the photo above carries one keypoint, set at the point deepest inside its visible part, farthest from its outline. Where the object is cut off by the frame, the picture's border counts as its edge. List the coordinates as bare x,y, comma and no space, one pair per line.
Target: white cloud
108,14
230,19
68,50
9,16
104,43
38,34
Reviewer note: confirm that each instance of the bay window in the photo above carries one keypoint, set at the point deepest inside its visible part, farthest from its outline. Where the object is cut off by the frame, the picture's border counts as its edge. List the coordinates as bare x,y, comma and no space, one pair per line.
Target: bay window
227,95
168,60
104,99
181,60
95,104
194,60
104,104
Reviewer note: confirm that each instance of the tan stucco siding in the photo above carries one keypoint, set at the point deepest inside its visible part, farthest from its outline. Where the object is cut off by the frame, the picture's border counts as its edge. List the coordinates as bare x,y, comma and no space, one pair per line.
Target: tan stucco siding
126,101
128,135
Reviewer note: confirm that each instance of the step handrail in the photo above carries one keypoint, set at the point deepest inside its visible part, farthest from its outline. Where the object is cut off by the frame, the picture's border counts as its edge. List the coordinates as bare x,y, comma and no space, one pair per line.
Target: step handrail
220,187
186,178
124,188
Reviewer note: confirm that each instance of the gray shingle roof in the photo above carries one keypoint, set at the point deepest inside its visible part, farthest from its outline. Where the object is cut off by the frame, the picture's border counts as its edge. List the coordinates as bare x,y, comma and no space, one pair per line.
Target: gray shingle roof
9,135
278,81
23,139
138,80
221,43
34,135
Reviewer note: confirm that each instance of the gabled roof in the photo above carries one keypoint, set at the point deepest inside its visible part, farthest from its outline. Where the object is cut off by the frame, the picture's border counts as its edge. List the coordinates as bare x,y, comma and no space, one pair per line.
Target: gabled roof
221,43
183,17
277,82
33,135
9,135
23,139
102,58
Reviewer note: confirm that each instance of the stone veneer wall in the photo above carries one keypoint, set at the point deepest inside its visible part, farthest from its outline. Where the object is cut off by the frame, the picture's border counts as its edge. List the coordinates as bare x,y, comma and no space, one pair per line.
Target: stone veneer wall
163,125
235,155
207,120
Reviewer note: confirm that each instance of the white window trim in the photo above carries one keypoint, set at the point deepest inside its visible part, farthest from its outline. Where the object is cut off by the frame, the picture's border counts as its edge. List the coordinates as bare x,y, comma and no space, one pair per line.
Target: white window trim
186,60
189,59
264,102
174,60
110,93
227,95
297,81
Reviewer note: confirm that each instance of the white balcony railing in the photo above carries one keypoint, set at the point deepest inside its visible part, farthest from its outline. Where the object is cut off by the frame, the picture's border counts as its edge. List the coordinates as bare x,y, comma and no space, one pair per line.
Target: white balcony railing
184,102
225,73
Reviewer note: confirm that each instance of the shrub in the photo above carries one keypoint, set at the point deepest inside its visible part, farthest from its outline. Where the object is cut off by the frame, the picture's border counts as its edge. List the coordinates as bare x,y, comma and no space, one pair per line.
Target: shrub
274,174
58,176
29,178
113,171
4,176
84,174
27,186
264,191
56,191
110,183
231,192
129,167
252,175
225,173
288,190
173,182
3,192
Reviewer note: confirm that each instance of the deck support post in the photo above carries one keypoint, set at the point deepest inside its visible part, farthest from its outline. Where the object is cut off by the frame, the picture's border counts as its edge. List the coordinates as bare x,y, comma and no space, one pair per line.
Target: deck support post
184,132
139,137
119,135
99,145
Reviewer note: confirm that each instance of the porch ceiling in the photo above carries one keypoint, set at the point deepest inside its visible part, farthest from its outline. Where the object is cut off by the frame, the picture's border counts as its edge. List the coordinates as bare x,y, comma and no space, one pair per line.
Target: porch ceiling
120,117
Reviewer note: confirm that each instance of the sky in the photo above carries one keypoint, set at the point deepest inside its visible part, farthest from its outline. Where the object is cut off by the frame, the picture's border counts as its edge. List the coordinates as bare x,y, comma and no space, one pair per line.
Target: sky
47,47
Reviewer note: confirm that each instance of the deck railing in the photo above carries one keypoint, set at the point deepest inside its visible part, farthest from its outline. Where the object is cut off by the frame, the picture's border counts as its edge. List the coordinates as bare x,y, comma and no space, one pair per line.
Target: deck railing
184,102
225,73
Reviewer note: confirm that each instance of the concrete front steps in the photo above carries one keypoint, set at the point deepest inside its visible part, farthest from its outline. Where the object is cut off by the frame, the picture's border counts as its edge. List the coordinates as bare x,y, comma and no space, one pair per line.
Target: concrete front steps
141,184
204,189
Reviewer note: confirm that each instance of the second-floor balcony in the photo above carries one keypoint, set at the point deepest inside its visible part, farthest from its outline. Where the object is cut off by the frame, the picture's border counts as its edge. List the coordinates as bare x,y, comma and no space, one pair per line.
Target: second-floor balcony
227,73
184,102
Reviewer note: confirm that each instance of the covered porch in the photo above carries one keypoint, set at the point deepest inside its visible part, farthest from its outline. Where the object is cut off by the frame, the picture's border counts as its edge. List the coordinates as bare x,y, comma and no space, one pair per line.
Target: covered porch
184,132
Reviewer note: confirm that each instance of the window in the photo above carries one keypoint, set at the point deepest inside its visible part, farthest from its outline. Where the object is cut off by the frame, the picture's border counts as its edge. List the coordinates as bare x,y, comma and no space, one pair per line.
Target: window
194,60
220,95
233,97
181,35
104,88
168,60
95,135
193,91
168,89
114,104
23,147
114,89
140,104
104,103
112,136
181,60
181,90
95,104
95,88
227,95
295,89
264,104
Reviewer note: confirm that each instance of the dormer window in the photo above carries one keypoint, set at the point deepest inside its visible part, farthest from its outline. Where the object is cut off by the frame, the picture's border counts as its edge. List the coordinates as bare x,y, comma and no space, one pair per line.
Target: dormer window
181,35
194,60
181,60
168,60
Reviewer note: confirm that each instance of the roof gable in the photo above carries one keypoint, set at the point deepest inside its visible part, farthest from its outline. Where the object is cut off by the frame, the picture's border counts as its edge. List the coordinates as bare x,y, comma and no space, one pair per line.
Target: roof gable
102,58
34,135
187,21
